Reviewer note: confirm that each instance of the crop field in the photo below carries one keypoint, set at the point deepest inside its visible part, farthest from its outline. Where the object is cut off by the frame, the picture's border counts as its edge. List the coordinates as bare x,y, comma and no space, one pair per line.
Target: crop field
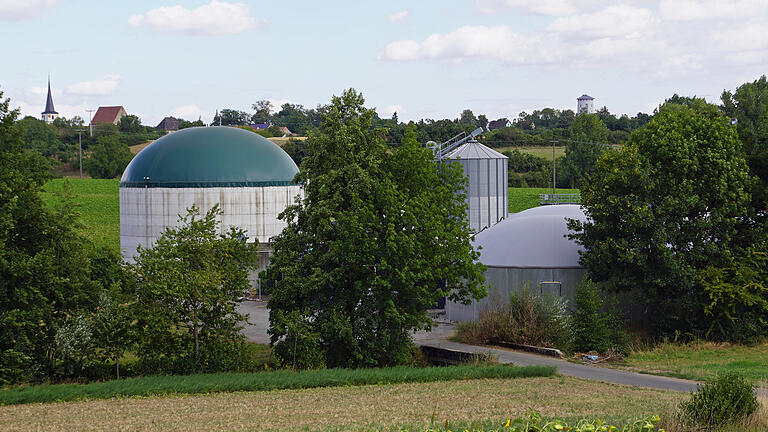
409,406
98,204
702,360
524,198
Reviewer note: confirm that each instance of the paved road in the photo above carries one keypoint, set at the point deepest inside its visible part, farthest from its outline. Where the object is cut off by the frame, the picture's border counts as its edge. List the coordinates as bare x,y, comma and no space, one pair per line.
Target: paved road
259,318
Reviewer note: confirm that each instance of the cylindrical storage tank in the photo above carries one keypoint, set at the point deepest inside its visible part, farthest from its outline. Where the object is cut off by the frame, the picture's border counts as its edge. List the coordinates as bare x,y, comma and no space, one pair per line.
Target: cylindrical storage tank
530,249
250,177
487,191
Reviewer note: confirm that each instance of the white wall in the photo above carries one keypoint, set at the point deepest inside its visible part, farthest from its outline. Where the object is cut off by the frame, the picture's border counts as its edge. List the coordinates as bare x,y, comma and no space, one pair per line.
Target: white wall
146,212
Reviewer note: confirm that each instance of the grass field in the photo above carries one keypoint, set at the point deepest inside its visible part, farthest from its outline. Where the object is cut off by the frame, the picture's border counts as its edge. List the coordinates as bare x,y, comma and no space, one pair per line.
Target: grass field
98,204
524,198
701,360
540,151
380,407
261,381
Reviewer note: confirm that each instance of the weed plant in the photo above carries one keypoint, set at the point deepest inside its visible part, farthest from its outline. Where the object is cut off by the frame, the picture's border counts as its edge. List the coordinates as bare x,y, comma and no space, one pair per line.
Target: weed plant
528,318
275,380
727,399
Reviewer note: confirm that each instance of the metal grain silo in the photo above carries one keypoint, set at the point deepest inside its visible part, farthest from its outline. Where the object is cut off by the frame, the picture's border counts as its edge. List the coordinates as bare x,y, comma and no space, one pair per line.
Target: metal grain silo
487,190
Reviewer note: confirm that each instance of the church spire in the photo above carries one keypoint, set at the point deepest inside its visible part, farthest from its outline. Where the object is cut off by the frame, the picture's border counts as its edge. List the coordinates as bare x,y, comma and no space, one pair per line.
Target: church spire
50,113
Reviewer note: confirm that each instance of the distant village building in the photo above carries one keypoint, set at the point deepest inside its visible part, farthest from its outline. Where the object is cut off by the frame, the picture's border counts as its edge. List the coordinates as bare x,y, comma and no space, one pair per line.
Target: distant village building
261,126
168,124
498,124
50,114
585,104
109,114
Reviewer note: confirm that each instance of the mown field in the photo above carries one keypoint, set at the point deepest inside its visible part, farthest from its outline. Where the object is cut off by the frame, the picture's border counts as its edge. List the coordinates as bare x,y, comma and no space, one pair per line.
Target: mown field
99,205
412,406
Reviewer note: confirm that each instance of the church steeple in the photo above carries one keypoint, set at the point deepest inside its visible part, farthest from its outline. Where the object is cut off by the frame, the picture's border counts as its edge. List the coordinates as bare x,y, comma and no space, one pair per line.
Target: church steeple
50,114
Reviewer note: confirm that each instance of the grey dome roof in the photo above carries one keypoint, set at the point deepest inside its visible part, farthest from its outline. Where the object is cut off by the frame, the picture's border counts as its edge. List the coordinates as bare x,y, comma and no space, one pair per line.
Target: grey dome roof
534,238
474,150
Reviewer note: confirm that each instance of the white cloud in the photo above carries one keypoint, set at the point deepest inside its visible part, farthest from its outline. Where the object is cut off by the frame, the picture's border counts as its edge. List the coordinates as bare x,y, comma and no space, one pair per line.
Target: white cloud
99,87
399,16
214,18
43,91
191,112
698,10
467,42
614,21
749,36
24,9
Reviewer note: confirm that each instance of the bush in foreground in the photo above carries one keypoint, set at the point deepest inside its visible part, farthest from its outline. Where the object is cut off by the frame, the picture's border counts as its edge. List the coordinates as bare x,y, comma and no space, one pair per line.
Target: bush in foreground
277,380
729,398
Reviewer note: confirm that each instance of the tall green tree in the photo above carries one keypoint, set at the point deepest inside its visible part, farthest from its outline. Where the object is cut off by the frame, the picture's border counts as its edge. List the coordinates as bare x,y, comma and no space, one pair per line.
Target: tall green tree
42,138
188,287
588,141
108,157
663,208
130,124
44,263
379,236
749,107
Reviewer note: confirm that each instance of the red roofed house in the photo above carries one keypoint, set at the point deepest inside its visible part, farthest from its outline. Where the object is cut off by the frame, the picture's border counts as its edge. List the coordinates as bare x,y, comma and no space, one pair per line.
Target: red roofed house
110,114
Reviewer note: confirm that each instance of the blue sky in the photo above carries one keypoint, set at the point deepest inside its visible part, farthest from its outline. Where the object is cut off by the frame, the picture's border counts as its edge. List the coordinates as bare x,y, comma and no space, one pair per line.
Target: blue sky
424,59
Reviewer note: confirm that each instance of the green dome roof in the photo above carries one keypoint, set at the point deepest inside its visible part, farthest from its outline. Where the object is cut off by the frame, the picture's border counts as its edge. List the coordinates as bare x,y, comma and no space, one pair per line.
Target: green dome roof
210,157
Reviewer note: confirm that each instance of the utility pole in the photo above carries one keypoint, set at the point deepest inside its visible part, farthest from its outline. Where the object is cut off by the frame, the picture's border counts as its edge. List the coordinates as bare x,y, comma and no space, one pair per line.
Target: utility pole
554,172
90,121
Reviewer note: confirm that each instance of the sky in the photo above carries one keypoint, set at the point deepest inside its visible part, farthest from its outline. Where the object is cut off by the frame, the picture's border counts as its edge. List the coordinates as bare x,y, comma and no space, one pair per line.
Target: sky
422,59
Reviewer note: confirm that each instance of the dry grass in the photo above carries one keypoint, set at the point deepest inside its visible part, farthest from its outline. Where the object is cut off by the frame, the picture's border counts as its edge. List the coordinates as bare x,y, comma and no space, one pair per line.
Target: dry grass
346,408
135,149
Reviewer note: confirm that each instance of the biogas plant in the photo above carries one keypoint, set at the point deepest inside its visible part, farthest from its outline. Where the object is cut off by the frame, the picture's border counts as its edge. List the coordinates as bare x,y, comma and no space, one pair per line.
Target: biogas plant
250,177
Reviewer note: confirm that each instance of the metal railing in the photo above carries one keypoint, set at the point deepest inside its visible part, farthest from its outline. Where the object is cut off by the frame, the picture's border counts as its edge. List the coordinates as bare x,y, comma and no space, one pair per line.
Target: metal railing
552,199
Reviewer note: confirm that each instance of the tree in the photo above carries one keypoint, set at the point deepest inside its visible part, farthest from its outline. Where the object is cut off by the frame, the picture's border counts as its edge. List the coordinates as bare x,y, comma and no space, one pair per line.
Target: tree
377,239
663,207
749,107
44,263
587,143
189,285
183,124
468,118
130,124
108,158
263,112
230,117
40,137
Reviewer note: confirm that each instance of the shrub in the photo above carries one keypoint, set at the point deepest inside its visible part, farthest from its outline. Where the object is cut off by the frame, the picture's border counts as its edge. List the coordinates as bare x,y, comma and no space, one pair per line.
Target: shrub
596,325
728,398
528,318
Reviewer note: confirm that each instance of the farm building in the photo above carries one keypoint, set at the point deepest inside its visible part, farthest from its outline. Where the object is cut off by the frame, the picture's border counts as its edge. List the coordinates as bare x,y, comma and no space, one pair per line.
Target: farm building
528,249
250,177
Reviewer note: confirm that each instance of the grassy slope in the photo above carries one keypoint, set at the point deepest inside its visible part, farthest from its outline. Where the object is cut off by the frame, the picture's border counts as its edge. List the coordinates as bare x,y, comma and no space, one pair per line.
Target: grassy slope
383,407
524,198
99,207
702,360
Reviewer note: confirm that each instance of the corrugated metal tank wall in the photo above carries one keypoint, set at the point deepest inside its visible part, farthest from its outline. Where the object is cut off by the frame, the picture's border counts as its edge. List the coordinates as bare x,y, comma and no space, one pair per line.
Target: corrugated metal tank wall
145,212
487,192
